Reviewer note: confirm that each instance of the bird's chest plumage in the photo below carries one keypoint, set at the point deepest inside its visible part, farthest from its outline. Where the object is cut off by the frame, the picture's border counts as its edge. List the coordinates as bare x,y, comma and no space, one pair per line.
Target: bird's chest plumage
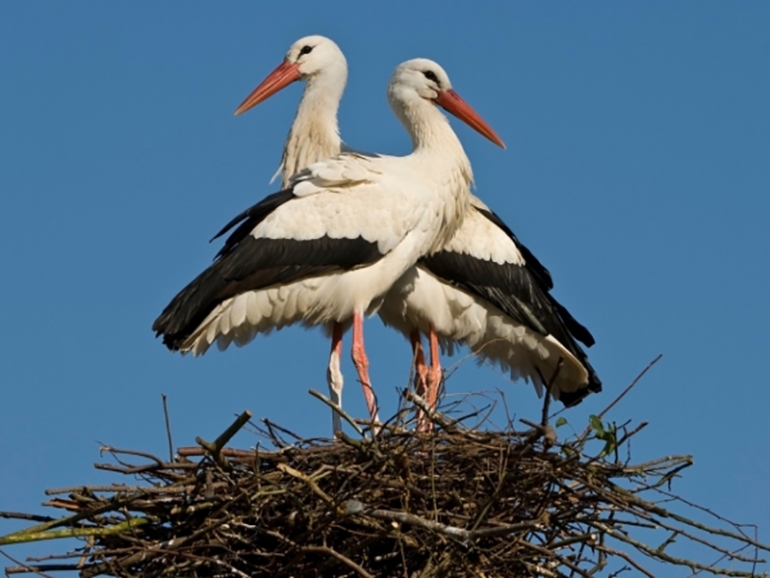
450,207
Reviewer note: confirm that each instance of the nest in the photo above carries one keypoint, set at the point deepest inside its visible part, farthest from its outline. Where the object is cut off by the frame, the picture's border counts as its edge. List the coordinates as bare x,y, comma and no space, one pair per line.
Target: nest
461,501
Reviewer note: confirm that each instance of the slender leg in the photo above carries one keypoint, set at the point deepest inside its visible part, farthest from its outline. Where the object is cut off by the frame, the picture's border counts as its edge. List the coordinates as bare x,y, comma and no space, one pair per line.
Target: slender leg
420,366
362,366
434,373
420,377
334,375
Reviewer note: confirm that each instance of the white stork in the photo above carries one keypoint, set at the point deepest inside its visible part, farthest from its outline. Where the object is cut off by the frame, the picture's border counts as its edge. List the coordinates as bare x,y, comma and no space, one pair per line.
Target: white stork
328,248
483,289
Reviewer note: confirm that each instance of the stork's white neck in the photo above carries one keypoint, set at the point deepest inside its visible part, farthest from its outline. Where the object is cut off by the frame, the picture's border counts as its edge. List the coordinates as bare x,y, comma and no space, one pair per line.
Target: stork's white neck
432,136
314,136
438,150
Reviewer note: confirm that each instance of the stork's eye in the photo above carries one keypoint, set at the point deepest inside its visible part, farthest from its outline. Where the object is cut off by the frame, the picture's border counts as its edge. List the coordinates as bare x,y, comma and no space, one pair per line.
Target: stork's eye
430,75
306,50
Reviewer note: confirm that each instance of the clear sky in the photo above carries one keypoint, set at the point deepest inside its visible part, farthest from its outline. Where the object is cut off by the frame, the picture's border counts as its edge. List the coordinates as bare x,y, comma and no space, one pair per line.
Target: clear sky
637,170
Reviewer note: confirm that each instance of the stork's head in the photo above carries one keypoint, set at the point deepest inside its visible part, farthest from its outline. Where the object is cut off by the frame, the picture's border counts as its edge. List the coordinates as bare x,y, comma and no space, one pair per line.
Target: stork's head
420,76
315,55
421,79
311,59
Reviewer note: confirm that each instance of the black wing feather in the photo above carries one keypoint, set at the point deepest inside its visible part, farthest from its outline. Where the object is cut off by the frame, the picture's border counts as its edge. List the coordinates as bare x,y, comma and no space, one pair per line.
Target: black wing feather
544,279
522,292
246,264
511,288
251,217
533,264
515,291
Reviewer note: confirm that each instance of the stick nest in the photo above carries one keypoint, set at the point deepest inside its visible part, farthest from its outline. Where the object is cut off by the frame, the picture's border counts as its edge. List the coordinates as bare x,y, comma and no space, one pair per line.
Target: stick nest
462,501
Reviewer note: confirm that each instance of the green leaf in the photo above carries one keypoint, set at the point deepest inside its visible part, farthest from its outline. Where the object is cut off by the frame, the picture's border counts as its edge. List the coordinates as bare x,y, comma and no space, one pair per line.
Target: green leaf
609,447
561,421
596,424
611,440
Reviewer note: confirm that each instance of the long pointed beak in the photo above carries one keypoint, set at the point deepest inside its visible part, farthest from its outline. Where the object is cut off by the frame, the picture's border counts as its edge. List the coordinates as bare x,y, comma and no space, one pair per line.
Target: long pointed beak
450,101
281,77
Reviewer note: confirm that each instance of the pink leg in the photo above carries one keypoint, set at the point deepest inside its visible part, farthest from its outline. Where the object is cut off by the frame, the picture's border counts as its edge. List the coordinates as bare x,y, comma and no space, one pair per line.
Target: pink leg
434,373
420,378
334,375
420,366
362,366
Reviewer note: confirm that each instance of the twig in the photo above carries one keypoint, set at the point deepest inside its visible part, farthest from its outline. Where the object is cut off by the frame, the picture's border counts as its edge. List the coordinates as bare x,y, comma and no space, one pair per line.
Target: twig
446,423
193,451
281,429
22,516
615,401
338,410
24,537
25,567
344,559
627,558
116,451
661,555
215,448
547,396
40,569
452,531
309,481
630,386
168,427
738,537
545,552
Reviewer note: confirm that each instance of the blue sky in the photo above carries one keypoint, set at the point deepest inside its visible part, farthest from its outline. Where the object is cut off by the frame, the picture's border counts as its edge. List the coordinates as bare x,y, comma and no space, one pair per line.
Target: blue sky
637,170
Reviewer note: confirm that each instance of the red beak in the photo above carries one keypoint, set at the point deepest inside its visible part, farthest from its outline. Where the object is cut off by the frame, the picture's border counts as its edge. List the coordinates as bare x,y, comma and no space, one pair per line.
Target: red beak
450,101
280,78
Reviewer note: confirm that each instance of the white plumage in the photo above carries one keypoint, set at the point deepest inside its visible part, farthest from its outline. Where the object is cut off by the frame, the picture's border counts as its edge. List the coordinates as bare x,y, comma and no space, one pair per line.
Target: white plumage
328,248
339,199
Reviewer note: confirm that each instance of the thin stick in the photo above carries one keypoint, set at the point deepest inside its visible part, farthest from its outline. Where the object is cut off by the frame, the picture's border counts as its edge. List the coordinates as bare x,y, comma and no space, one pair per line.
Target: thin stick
215,448
342,558
549,385
26,537
630,386
445,529
662,556
627,558
337,409
195,451
40,568
615,401
168,427
22,516
446,423
25,566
